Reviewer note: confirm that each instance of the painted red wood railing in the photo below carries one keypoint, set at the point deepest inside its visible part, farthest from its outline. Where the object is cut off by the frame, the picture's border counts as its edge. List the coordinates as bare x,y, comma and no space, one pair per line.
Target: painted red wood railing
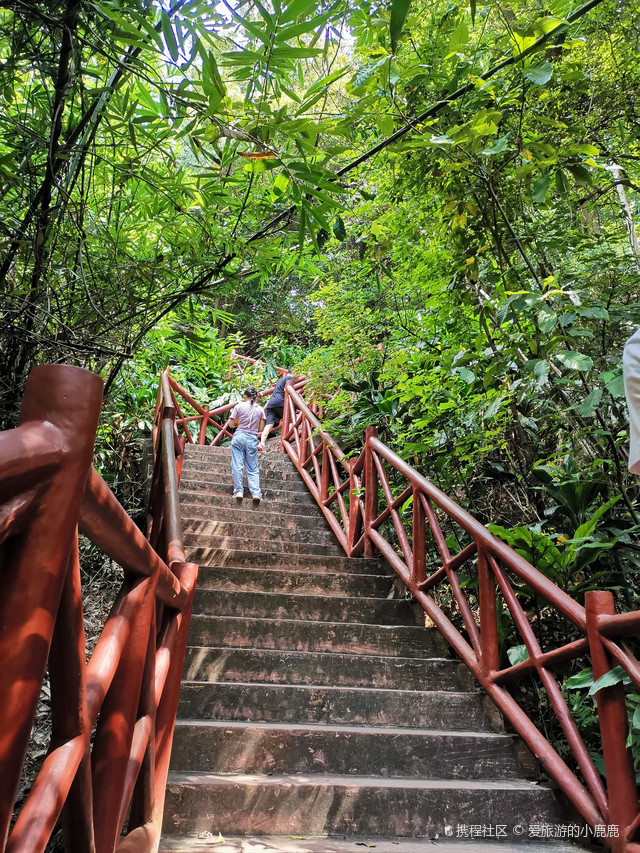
363,501
113,717
203,425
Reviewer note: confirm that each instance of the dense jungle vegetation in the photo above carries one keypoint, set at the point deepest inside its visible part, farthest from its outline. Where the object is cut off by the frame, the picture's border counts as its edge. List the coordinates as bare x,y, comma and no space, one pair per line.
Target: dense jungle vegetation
428,208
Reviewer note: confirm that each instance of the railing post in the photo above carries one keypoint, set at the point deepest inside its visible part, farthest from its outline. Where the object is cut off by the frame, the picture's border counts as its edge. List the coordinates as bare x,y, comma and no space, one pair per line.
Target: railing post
612,717
324,472
488,615
419,546
202,434
304,441
35,562
172,525
370,491
355,519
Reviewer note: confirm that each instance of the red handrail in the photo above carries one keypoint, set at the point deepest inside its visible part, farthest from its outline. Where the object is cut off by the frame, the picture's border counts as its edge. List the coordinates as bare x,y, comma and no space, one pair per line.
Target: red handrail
203,417
126,695
353,487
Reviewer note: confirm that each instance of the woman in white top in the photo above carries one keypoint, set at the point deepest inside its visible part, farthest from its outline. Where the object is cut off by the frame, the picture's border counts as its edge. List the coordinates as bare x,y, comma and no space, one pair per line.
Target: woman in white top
631,372
249,420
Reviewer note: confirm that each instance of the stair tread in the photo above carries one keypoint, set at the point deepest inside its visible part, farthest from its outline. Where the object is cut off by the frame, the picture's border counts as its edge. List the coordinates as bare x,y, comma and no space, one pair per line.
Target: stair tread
234,556
267,571
299,595
332,687
195,778
322,728
259,620
310,608
303,654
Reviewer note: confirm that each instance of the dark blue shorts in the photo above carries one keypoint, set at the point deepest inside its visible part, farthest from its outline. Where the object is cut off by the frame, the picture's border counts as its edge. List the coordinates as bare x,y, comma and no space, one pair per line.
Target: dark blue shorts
273,416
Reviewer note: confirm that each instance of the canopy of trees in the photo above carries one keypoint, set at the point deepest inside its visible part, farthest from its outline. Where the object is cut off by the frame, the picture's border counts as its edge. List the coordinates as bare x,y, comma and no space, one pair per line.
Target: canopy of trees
434,201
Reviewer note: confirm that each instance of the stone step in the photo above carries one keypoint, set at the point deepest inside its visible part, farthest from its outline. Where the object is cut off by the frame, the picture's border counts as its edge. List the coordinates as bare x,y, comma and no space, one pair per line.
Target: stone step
291,749
294,562
301,805
224,481
298,504
243,632
259,534
202,451
299,704
278,546
305,583
271,493
213,469
209,842
266,666
247,513
313,608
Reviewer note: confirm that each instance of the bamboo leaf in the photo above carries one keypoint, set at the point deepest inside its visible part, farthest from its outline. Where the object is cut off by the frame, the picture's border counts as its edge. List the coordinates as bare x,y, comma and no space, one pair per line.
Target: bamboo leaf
169,36
399,10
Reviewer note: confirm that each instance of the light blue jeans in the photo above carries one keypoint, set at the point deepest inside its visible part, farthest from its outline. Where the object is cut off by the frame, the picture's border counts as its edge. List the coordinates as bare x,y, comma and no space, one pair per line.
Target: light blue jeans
244,451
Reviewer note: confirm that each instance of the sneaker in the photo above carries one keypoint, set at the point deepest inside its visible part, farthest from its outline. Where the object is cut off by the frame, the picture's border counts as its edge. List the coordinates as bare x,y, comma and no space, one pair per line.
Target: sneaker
256,499
238,495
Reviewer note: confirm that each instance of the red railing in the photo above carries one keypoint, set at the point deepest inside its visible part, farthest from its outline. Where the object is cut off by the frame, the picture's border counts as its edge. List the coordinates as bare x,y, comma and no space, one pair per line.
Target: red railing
203,425
363,501
113,717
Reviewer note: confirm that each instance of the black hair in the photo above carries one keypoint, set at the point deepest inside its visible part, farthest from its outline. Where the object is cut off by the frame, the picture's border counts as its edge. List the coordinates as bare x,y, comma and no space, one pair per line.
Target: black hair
251,392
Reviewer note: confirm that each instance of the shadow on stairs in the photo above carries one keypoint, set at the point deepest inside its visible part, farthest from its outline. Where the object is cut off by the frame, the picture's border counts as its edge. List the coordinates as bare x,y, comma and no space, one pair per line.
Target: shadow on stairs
317,715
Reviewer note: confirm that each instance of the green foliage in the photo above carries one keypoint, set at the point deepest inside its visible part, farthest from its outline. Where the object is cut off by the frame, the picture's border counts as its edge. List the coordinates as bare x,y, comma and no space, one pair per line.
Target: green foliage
583,710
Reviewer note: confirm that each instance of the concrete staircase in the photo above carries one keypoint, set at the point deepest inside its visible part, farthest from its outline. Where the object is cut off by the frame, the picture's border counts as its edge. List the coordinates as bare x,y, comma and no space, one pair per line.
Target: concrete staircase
317,713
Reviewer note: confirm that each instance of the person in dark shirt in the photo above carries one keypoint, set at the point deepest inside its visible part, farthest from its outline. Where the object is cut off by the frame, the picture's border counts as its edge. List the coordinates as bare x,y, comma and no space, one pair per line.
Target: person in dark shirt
274,408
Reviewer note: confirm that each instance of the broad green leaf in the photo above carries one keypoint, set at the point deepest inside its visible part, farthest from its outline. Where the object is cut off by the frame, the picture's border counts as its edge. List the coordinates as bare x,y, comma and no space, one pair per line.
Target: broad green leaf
540,73
547,319
280,184
459,38
589,150
581,174
517,654
339,231
541,371
497,147
590,404
562,184
493,408
574,360
617,675
582,679
441,140
540,188
399,9
616,387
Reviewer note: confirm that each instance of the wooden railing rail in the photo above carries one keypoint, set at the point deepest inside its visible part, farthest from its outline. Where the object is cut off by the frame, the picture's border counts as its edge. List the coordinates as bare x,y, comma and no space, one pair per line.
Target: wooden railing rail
113,717
204,416
379,485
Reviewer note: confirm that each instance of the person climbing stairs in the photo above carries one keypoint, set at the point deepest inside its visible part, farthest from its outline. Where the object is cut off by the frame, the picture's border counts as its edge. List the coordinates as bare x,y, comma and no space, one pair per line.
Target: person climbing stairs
317,711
